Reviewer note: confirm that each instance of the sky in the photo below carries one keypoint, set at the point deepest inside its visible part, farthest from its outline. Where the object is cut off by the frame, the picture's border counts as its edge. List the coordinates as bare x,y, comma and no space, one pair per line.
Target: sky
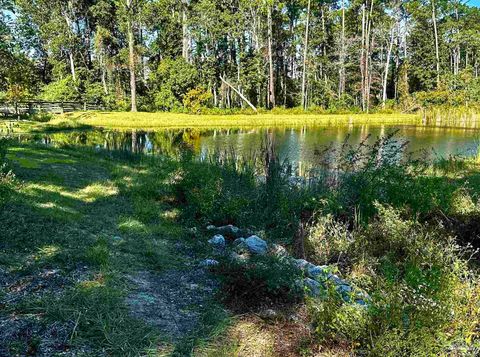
475,3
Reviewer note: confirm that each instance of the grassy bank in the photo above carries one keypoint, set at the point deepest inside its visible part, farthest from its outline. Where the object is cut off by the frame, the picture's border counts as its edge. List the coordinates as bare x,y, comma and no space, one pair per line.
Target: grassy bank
100,255
152,121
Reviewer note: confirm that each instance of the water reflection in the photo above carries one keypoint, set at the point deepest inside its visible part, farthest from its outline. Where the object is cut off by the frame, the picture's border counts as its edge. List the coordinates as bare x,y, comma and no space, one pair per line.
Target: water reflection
300,146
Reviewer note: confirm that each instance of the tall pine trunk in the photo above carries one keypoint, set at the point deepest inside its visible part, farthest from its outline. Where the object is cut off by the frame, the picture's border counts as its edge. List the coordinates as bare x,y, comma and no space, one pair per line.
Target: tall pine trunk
131,56
387,66
437,50
341,76
305,54
271,84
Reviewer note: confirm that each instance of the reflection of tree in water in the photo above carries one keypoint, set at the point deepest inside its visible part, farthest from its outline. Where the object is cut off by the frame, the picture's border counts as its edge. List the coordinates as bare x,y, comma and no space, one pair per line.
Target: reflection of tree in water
169,142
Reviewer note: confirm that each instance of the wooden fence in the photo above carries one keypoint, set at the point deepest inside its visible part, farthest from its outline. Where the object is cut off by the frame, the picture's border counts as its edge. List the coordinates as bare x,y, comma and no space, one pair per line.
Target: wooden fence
21,108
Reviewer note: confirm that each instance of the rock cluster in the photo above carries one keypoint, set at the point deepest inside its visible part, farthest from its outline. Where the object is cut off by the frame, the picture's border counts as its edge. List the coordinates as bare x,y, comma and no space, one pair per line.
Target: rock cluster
316,277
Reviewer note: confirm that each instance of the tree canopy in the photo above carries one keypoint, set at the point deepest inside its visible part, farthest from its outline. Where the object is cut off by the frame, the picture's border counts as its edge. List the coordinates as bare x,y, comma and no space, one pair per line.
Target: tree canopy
161,54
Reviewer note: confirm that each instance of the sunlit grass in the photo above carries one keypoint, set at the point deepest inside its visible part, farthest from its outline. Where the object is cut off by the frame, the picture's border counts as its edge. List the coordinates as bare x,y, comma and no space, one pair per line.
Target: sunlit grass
96,191
125,120
47,252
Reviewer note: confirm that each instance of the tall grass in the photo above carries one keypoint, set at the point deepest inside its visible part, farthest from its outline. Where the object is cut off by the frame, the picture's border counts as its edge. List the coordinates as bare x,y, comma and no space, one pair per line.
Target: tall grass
381,218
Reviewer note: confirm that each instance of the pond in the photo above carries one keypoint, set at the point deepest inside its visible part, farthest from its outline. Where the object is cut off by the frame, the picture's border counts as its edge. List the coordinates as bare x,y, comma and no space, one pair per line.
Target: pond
300,146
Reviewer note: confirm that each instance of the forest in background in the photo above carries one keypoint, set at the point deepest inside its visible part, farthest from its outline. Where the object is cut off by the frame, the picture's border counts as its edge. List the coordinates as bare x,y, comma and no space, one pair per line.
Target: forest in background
169,55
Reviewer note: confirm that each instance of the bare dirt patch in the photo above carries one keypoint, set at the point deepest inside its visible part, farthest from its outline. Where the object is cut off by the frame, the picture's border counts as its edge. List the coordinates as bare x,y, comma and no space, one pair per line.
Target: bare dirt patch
172,301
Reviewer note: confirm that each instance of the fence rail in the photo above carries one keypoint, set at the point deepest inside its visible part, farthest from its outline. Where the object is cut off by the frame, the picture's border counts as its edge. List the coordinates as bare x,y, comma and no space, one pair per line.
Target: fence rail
34,107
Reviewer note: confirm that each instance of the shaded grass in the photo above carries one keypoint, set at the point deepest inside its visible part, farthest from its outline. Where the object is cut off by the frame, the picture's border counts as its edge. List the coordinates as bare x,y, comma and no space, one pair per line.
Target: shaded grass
90,219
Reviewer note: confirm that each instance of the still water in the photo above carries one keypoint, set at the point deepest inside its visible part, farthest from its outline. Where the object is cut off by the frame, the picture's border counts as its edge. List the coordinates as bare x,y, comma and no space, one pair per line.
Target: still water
300,146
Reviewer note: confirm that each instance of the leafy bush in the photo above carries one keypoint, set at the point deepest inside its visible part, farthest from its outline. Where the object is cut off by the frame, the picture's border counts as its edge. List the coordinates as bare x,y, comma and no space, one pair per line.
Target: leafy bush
165,100
173,79
424,296
196,99
61,90
216,194
441,97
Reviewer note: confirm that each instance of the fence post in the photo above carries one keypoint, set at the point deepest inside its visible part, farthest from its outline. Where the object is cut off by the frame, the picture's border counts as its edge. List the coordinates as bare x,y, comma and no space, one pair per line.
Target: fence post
84,106
62,108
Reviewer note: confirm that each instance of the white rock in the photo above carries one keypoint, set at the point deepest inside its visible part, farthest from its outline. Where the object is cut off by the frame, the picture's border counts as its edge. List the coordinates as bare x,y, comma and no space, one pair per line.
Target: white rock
302,264
211,227
218,241
313,286
278,251
319,272
209,263
336,279
256,245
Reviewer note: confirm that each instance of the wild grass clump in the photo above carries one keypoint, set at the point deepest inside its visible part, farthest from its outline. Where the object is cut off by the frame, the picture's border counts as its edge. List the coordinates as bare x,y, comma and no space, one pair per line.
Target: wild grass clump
424,296
6,175
259,281
228,191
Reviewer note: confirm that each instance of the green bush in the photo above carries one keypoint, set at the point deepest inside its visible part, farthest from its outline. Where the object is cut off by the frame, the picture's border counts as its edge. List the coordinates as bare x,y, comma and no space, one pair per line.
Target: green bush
173,79
216,194
61,90
424,296
197,99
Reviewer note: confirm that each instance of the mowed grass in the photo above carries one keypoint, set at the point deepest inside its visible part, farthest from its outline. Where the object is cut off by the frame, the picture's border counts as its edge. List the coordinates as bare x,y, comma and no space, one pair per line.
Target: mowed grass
75,227
151,121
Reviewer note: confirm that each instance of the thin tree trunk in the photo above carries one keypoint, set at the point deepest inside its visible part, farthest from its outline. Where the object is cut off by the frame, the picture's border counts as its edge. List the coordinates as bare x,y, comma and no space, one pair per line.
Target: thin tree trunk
70,52
271,85
131,57
72,65
104,75
305,54
239,94
387,66
437,50
185,37
341,82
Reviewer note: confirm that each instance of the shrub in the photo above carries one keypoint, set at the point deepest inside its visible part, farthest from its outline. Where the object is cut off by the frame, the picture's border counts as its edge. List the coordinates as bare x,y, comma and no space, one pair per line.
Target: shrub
172,81
165,100
216,194
196,99
424,296
61,90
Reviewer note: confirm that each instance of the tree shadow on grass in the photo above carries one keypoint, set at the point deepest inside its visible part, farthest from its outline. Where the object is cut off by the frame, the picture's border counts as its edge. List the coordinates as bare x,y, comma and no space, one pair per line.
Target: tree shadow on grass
80,217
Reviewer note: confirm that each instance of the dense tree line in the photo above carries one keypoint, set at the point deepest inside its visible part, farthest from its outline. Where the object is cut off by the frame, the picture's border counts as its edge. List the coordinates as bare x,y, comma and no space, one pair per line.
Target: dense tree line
177,54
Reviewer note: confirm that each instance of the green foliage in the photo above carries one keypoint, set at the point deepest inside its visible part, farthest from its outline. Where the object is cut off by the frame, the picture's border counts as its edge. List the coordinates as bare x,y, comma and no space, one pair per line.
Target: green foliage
197,99
165,100
423,293
173,79
61,90
6,175
215,193
258,279
227,192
